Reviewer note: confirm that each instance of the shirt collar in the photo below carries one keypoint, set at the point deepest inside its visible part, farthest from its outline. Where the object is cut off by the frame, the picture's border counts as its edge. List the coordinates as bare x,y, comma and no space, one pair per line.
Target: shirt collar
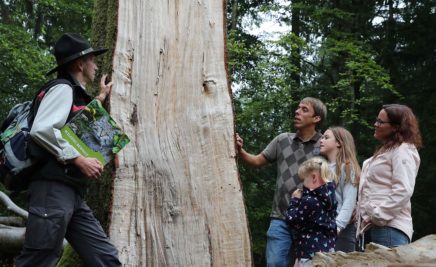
314,138
77,82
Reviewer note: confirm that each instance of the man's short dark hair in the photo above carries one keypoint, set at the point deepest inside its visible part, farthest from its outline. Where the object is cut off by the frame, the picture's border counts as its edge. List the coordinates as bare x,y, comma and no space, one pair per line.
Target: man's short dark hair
318,107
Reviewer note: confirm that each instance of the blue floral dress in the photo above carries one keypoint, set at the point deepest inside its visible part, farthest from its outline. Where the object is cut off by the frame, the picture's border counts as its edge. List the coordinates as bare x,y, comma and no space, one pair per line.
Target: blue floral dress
312,218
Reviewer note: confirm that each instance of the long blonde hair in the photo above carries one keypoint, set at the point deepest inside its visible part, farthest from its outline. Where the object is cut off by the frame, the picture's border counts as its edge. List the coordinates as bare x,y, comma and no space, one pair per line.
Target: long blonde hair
317,164
346,155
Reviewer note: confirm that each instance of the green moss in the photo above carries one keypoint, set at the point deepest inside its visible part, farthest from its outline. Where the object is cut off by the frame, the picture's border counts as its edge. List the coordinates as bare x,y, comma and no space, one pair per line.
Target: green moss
69,258
104,31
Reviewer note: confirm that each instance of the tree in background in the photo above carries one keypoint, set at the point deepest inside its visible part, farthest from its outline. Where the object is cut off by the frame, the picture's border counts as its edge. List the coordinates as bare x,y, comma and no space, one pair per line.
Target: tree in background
407,44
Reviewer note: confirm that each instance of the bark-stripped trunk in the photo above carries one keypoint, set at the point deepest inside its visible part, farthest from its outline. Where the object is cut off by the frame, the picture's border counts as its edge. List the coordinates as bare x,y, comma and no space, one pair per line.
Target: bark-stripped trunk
177,197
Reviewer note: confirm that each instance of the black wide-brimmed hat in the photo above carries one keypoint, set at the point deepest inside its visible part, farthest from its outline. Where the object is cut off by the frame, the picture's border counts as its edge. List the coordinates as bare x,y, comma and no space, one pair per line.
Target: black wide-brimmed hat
72,46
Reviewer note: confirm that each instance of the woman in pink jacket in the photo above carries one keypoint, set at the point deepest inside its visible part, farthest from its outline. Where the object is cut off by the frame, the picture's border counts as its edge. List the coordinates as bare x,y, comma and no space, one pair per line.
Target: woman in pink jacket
388,179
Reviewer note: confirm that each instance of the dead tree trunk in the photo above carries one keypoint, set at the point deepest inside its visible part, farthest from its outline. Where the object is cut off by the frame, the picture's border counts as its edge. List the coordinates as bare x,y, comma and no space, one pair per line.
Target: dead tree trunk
177,198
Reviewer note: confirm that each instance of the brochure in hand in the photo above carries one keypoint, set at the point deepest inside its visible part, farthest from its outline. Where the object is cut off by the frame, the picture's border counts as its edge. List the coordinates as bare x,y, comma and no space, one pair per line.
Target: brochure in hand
93,133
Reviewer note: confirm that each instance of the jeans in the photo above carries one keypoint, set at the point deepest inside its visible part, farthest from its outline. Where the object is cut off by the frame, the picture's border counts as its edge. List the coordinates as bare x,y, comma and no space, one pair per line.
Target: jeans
278,246
386,236
346,240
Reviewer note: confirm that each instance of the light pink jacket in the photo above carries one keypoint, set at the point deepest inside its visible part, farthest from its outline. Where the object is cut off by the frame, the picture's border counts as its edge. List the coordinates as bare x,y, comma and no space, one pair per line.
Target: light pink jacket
386,186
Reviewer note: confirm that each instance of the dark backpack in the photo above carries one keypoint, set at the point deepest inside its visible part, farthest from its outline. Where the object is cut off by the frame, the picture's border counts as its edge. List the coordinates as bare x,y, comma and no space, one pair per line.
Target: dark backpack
16,161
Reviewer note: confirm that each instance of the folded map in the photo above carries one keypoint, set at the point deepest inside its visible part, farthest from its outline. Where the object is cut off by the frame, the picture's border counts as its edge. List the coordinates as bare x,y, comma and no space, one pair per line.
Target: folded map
93,133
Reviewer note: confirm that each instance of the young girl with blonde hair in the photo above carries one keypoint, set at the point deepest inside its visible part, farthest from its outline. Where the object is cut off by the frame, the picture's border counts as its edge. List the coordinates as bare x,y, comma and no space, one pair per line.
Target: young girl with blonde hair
337,145
312,211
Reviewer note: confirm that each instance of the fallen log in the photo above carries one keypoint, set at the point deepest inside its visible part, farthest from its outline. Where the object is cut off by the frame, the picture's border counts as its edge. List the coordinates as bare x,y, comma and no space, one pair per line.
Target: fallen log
11,238
422,252
12,221
11,206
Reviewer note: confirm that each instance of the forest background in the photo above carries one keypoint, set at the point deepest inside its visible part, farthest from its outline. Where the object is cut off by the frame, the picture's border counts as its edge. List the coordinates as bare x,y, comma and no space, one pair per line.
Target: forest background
355,55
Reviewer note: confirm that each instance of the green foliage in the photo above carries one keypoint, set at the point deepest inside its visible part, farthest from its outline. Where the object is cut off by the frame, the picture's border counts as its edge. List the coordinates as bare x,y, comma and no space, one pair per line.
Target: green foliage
28,29
409,53
351,79
238,9
22,66
46,20
243,52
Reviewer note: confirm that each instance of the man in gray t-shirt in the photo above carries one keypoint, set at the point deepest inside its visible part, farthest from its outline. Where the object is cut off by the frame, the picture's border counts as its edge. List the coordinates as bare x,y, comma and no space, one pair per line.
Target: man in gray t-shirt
288,150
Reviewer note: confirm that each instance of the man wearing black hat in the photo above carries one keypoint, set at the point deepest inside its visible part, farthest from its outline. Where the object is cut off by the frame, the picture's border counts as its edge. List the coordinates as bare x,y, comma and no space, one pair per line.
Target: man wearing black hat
56,205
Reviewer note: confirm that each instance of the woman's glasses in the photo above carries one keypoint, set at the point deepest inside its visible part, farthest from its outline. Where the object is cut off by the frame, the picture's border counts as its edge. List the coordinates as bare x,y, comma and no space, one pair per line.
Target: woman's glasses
380,122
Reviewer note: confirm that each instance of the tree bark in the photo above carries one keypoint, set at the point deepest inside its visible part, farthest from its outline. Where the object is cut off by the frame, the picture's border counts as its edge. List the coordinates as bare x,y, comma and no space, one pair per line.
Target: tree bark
177,198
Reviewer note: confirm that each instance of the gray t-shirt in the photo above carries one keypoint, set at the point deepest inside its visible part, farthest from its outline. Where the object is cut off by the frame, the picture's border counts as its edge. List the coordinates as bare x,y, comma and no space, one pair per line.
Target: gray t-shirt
289,151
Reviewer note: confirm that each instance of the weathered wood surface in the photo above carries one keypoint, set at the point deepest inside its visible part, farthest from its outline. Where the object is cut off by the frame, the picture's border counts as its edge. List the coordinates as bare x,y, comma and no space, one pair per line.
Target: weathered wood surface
177,195
419,253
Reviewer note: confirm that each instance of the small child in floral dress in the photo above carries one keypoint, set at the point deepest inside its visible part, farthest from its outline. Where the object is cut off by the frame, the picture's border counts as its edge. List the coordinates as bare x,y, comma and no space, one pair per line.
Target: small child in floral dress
312,211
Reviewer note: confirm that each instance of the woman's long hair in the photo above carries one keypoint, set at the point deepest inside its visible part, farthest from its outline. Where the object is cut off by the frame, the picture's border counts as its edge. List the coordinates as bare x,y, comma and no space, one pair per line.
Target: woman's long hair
407,128
346,155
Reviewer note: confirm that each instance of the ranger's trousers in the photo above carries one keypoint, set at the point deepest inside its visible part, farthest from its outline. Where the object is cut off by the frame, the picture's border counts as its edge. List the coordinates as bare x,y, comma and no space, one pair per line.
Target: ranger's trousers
57,211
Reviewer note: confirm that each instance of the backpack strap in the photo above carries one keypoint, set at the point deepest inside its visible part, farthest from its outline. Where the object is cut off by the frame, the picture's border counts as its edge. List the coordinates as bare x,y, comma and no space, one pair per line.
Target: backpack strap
40,94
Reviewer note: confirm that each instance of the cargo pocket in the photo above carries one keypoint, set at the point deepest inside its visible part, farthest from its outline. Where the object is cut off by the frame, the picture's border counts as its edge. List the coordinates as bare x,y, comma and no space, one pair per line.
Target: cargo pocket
45,228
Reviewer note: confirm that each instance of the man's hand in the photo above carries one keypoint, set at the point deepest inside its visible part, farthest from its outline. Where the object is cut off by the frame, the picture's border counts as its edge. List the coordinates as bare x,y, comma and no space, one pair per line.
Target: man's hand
91,167
239,142
252,160
105,88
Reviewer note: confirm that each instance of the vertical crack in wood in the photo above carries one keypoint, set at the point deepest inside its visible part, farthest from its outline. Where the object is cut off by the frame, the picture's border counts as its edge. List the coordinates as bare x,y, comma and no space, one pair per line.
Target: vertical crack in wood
134,116
130,58
208,84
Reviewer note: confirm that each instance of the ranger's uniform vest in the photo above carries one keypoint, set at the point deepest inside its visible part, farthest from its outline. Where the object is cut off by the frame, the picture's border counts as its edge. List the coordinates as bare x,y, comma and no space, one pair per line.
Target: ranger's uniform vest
50,168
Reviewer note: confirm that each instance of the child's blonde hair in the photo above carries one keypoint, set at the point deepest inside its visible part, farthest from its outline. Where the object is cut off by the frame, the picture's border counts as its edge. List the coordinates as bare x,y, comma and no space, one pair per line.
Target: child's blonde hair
317,164
346,154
